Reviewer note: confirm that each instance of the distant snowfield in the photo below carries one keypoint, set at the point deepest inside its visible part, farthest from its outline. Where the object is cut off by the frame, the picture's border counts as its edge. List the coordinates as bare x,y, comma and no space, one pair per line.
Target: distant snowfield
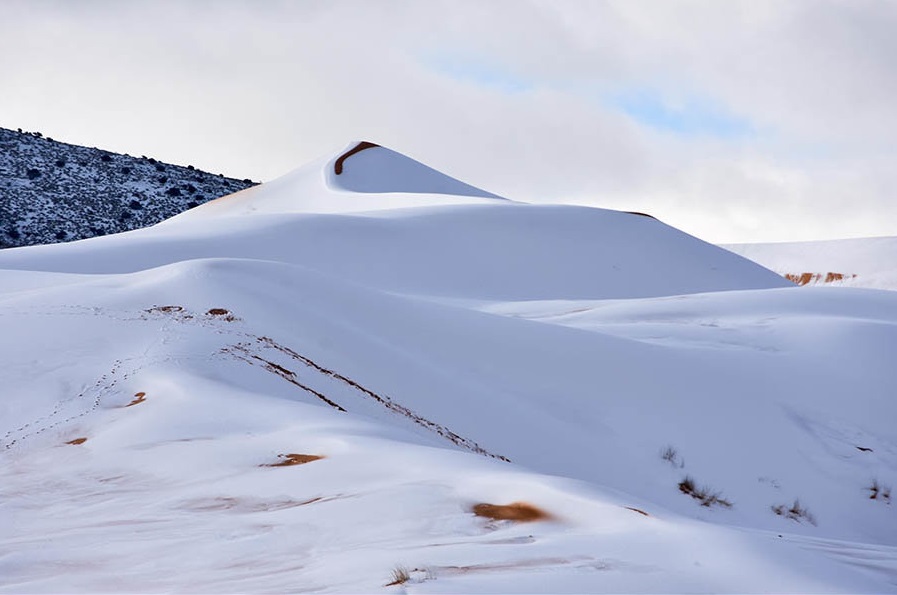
863,262
439,348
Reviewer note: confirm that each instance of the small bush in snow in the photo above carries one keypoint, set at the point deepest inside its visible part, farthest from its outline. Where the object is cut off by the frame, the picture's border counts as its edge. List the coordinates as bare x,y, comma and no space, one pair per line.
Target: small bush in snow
879,491
706,496
400,576
795,512
671,456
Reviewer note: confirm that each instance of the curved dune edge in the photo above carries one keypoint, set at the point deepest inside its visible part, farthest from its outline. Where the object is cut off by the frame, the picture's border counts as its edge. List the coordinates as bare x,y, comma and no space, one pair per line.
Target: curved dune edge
338,164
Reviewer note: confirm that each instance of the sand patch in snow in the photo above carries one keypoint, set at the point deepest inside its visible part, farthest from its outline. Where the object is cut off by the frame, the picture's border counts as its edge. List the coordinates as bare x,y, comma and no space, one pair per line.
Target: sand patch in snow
808,278
521,512
138,398
338,164
288,460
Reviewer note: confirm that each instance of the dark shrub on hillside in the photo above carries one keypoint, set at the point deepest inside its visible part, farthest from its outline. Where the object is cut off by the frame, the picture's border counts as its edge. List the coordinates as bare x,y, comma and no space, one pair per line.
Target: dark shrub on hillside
126,170
33,173
173,192
106,158
135,205
160,167
60,163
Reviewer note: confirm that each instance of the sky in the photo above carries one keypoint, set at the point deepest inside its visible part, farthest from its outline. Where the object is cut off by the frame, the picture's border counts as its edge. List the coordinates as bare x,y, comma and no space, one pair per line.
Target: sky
733,121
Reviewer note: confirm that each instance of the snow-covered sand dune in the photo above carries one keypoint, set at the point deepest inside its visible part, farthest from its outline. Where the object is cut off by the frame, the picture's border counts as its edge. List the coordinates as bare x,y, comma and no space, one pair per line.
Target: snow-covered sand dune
320,383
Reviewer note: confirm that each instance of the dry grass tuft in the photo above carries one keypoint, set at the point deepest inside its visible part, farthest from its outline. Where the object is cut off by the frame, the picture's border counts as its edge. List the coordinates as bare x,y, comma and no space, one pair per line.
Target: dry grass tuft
796,512
879,491
77,441
706,496
288,460
400,576
520,512
638,510
671,456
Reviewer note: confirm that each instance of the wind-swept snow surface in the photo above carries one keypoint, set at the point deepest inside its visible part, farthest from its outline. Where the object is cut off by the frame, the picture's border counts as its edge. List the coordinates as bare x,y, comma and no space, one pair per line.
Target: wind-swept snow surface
266,395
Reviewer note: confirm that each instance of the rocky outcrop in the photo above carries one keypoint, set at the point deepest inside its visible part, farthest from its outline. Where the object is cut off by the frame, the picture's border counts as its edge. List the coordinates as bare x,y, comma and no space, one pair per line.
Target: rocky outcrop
56,192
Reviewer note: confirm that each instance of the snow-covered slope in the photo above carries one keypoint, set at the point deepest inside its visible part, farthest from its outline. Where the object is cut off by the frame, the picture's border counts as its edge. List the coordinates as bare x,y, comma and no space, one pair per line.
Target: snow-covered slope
56,192
861,262
672,417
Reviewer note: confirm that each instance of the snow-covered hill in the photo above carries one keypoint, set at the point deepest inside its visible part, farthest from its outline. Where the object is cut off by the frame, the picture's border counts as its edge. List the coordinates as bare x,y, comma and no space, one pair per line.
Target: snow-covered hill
367,373
861,262
56,192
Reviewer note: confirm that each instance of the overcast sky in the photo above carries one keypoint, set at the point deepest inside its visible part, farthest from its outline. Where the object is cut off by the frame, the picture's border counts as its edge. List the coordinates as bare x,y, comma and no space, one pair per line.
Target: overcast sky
734,121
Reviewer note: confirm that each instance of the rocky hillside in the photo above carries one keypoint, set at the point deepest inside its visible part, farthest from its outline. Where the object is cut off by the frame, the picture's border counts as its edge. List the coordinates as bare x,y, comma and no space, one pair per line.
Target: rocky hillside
55,192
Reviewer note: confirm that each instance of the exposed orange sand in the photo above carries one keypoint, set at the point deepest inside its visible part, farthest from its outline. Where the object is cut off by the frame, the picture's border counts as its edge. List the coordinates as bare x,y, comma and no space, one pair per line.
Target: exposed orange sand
806,278
291,459
338,164
138,398
517,511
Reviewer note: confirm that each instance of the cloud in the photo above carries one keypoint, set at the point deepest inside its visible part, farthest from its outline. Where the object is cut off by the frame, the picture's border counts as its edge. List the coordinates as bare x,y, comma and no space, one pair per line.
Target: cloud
475,71
735,121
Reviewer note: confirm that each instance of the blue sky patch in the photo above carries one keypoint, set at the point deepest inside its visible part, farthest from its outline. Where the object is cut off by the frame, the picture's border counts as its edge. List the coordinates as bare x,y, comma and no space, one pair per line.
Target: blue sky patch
693,117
